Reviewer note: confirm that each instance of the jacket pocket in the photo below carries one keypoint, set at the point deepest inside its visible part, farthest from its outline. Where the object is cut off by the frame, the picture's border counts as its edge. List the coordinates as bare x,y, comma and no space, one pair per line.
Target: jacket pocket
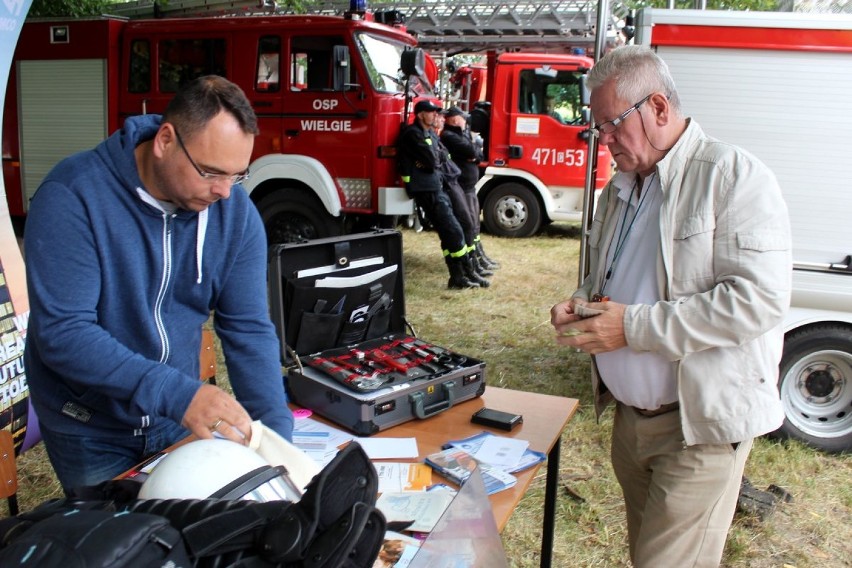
763,241
693,250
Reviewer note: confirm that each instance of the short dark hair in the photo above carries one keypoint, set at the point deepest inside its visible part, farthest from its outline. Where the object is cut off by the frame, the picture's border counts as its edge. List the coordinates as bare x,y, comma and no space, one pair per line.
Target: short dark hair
197,102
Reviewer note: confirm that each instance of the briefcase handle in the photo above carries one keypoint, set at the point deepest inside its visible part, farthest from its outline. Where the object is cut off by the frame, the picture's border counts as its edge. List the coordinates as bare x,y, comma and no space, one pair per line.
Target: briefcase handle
421,411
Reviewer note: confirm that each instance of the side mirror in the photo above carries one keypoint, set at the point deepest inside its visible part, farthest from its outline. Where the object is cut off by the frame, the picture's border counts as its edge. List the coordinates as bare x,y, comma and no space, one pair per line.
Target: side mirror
413,62
341,68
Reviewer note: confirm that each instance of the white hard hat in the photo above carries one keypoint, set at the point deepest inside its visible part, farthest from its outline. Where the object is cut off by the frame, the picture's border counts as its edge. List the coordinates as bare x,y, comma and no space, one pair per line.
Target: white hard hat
220,469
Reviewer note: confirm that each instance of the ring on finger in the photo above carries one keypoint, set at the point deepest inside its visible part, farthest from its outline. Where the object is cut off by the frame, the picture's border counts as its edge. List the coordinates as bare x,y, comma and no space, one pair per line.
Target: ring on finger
215,425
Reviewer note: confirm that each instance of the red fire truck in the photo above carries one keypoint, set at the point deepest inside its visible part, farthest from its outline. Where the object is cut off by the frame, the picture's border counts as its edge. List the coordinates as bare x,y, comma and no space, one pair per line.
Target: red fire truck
531,111
327,91
330,97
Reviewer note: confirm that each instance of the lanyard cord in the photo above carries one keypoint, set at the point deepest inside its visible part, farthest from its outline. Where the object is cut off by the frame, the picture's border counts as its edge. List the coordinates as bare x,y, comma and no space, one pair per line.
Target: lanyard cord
622,233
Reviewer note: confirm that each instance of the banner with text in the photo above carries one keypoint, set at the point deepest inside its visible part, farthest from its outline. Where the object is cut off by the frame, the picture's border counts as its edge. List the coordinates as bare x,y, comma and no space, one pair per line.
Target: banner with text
15,412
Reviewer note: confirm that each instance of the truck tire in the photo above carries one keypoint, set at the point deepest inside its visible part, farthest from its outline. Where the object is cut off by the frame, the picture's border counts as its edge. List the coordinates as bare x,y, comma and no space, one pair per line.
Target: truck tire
293,215
815,382
512,210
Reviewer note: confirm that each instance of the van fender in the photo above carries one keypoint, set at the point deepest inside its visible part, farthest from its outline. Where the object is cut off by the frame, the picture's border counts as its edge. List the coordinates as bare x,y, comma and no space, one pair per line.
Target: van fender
800,317
304,169
494,175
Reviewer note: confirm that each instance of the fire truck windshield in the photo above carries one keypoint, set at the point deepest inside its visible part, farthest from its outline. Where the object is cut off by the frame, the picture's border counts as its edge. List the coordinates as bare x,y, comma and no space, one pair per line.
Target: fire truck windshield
381,57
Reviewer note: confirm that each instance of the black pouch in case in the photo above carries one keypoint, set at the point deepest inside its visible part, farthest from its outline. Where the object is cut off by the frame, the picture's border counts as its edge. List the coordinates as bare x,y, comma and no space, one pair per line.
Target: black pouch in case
379,324
318,332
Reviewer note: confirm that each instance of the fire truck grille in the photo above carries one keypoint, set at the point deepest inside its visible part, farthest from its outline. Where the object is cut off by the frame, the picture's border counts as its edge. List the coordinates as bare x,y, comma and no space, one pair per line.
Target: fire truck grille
356,192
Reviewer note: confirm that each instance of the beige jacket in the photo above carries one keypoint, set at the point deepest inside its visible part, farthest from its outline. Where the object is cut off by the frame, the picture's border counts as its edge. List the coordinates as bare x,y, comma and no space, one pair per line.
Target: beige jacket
724,270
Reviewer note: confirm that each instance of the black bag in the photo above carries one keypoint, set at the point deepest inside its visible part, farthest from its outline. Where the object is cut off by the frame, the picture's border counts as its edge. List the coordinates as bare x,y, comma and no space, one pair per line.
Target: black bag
334,525
97,539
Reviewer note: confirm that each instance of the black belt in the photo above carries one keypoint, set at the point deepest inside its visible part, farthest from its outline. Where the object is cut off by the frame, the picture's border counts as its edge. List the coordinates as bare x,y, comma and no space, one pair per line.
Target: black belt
664,409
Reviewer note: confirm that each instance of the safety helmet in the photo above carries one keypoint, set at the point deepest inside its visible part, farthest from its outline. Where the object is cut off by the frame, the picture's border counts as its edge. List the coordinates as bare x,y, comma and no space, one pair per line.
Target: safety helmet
218,469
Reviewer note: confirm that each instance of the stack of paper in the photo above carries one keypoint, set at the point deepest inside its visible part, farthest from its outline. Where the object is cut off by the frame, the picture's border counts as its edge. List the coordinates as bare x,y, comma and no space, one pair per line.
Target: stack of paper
457,465
508,453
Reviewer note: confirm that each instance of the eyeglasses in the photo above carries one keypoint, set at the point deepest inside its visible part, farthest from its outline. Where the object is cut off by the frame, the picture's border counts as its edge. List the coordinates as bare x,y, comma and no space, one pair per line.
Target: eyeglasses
610,126
210,176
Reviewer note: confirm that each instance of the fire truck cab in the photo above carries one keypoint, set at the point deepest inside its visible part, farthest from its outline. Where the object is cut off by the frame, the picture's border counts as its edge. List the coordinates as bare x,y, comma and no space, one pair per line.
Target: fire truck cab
326,90
531,113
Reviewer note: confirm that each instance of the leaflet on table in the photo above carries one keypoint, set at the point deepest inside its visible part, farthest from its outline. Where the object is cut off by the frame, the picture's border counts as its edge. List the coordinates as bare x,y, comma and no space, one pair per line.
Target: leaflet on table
395,477
315,444
398,550
337,437
473,444
457,465
422,509
310,434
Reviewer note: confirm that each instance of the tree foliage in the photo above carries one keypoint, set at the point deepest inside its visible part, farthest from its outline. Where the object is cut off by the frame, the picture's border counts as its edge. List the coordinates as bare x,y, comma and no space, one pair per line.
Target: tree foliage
80,8
62,8
751,5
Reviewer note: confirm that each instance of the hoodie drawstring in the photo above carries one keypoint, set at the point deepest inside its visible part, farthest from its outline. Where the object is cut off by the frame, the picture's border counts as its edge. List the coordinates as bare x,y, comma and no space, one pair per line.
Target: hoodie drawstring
200,235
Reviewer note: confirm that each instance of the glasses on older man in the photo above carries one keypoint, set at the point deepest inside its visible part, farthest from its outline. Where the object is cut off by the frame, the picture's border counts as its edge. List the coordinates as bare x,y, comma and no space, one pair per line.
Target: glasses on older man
233,179
610,126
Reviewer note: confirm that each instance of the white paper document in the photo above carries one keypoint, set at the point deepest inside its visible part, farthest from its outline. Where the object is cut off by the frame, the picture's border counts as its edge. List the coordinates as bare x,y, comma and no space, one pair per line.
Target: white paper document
354,281
501,451
336,437
389,448
358,263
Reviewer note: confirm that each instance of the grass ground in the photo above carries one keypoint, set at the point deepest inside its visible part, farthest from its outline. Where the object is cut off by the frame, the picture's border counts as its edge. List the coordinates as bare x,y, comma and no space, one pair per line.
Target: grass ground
507,325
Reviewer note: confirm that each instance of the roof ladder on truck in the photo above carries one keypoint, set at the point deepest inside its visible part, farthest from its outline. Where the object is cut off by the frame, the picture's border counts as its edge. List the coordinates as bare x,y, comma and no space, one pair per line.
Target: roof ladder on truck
173,8
534,25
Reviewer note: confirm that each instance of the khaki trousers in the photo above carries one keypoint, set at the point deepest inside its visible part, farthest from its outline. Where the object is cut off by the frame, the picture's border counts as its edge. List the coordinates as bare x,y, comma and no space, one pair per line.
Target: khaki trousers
680,500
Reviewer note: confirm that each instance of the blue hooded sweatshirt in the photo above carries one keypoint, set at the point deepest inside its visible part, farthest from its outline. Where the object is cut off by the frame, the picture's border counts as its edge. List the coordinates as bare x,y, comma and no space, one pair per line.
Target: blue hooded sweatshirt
119,291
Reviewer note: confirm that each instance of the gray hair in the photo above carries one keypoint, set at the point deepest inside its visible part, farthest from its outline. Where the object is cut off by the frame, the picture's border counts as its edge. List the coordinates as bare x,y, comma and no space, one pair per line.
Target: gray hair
637,72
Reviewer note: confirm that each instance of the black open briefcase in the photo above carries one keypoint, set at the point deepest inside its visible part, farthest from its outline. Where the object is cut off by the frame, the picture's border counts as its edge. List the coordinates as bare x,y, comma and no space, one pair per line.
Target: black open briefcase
338,305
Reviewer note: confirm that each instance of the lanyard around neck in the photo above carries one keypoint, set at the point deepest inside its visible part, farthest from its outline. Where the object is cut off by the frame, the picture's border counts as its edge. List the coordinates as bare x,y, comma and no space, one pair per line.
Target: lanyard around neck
622,233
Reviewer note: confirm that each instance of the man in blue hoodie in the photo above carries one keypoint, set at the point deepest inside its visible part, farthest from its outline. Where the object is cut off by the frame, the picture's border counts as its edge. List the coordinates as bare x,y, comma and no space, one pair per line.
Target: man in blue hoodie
129,247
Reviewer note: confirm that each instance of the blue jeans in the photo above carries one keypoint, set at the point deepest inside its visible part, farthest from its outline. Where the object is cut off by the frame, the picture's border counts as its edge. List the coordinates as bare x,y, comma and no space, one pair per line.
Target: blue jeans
81,461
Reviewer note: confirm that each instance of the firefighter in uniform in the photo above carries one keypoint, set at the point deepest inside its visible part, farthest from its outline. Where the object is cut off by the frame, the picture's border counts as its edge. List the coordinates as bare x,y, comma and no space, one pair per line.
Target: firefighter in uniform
450,174
419,166
466,155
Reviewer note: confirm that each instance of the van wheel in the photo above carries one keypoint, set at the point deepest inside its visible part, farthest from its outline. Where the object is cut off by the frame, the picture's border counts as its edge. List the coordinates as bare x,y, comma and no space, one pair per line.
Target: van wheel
293,215
511,210
816,387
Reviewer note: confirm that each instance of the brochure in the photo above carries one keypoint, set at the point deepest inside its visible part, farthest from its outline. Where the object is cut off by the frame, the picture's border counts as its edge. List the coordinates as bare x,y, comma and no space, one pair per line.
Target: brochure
456,465
473,444
397,477
422,509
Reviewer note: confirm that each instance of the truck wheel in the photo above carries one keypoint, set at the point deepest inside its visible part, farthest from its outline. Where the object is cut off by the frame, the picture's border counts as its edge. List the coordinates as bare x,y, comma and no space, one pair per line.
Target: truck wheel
816,387
292,215
512,210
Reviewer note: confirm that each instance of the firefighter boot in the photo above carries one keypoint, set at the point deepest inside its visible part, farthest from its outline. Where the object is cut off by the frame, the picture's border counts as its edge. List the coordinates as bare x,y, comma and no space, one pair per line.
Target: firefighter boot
479,264
458,279
470,271
487,262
